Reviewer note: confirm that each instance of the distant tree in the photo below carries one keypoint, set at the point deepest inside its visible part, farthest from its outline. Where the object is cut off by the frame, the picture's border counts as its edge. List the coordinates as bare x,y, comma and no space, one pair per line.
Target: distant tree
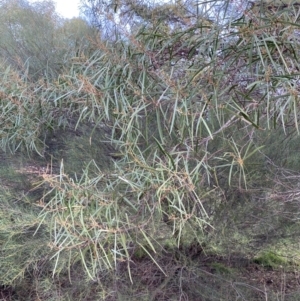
113,18
44,50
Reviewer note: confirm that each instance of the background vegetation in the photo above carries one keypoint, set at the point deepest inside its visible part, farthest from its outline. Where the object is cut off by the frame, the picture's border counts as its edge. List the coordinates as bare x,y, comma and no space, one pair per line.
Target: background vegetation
150,151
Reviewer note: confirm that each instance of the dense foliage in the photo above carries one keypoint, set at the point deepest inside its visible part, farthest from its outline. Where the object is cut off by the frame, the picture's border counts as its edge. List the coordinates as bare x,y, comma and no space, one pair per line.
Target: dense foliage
144,141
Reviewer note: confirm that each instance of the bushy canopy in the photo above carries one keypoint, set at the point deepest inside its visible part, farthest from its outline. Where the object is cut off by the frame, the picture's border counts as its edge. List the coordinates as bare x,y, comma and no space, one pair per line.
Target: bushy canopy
165,137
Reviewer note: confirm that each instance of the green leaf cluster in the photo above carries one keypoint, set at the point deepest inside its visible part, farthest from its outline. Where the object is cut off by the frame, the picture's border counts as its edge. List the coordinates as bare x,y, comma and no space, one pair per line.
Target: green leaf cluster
174,139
